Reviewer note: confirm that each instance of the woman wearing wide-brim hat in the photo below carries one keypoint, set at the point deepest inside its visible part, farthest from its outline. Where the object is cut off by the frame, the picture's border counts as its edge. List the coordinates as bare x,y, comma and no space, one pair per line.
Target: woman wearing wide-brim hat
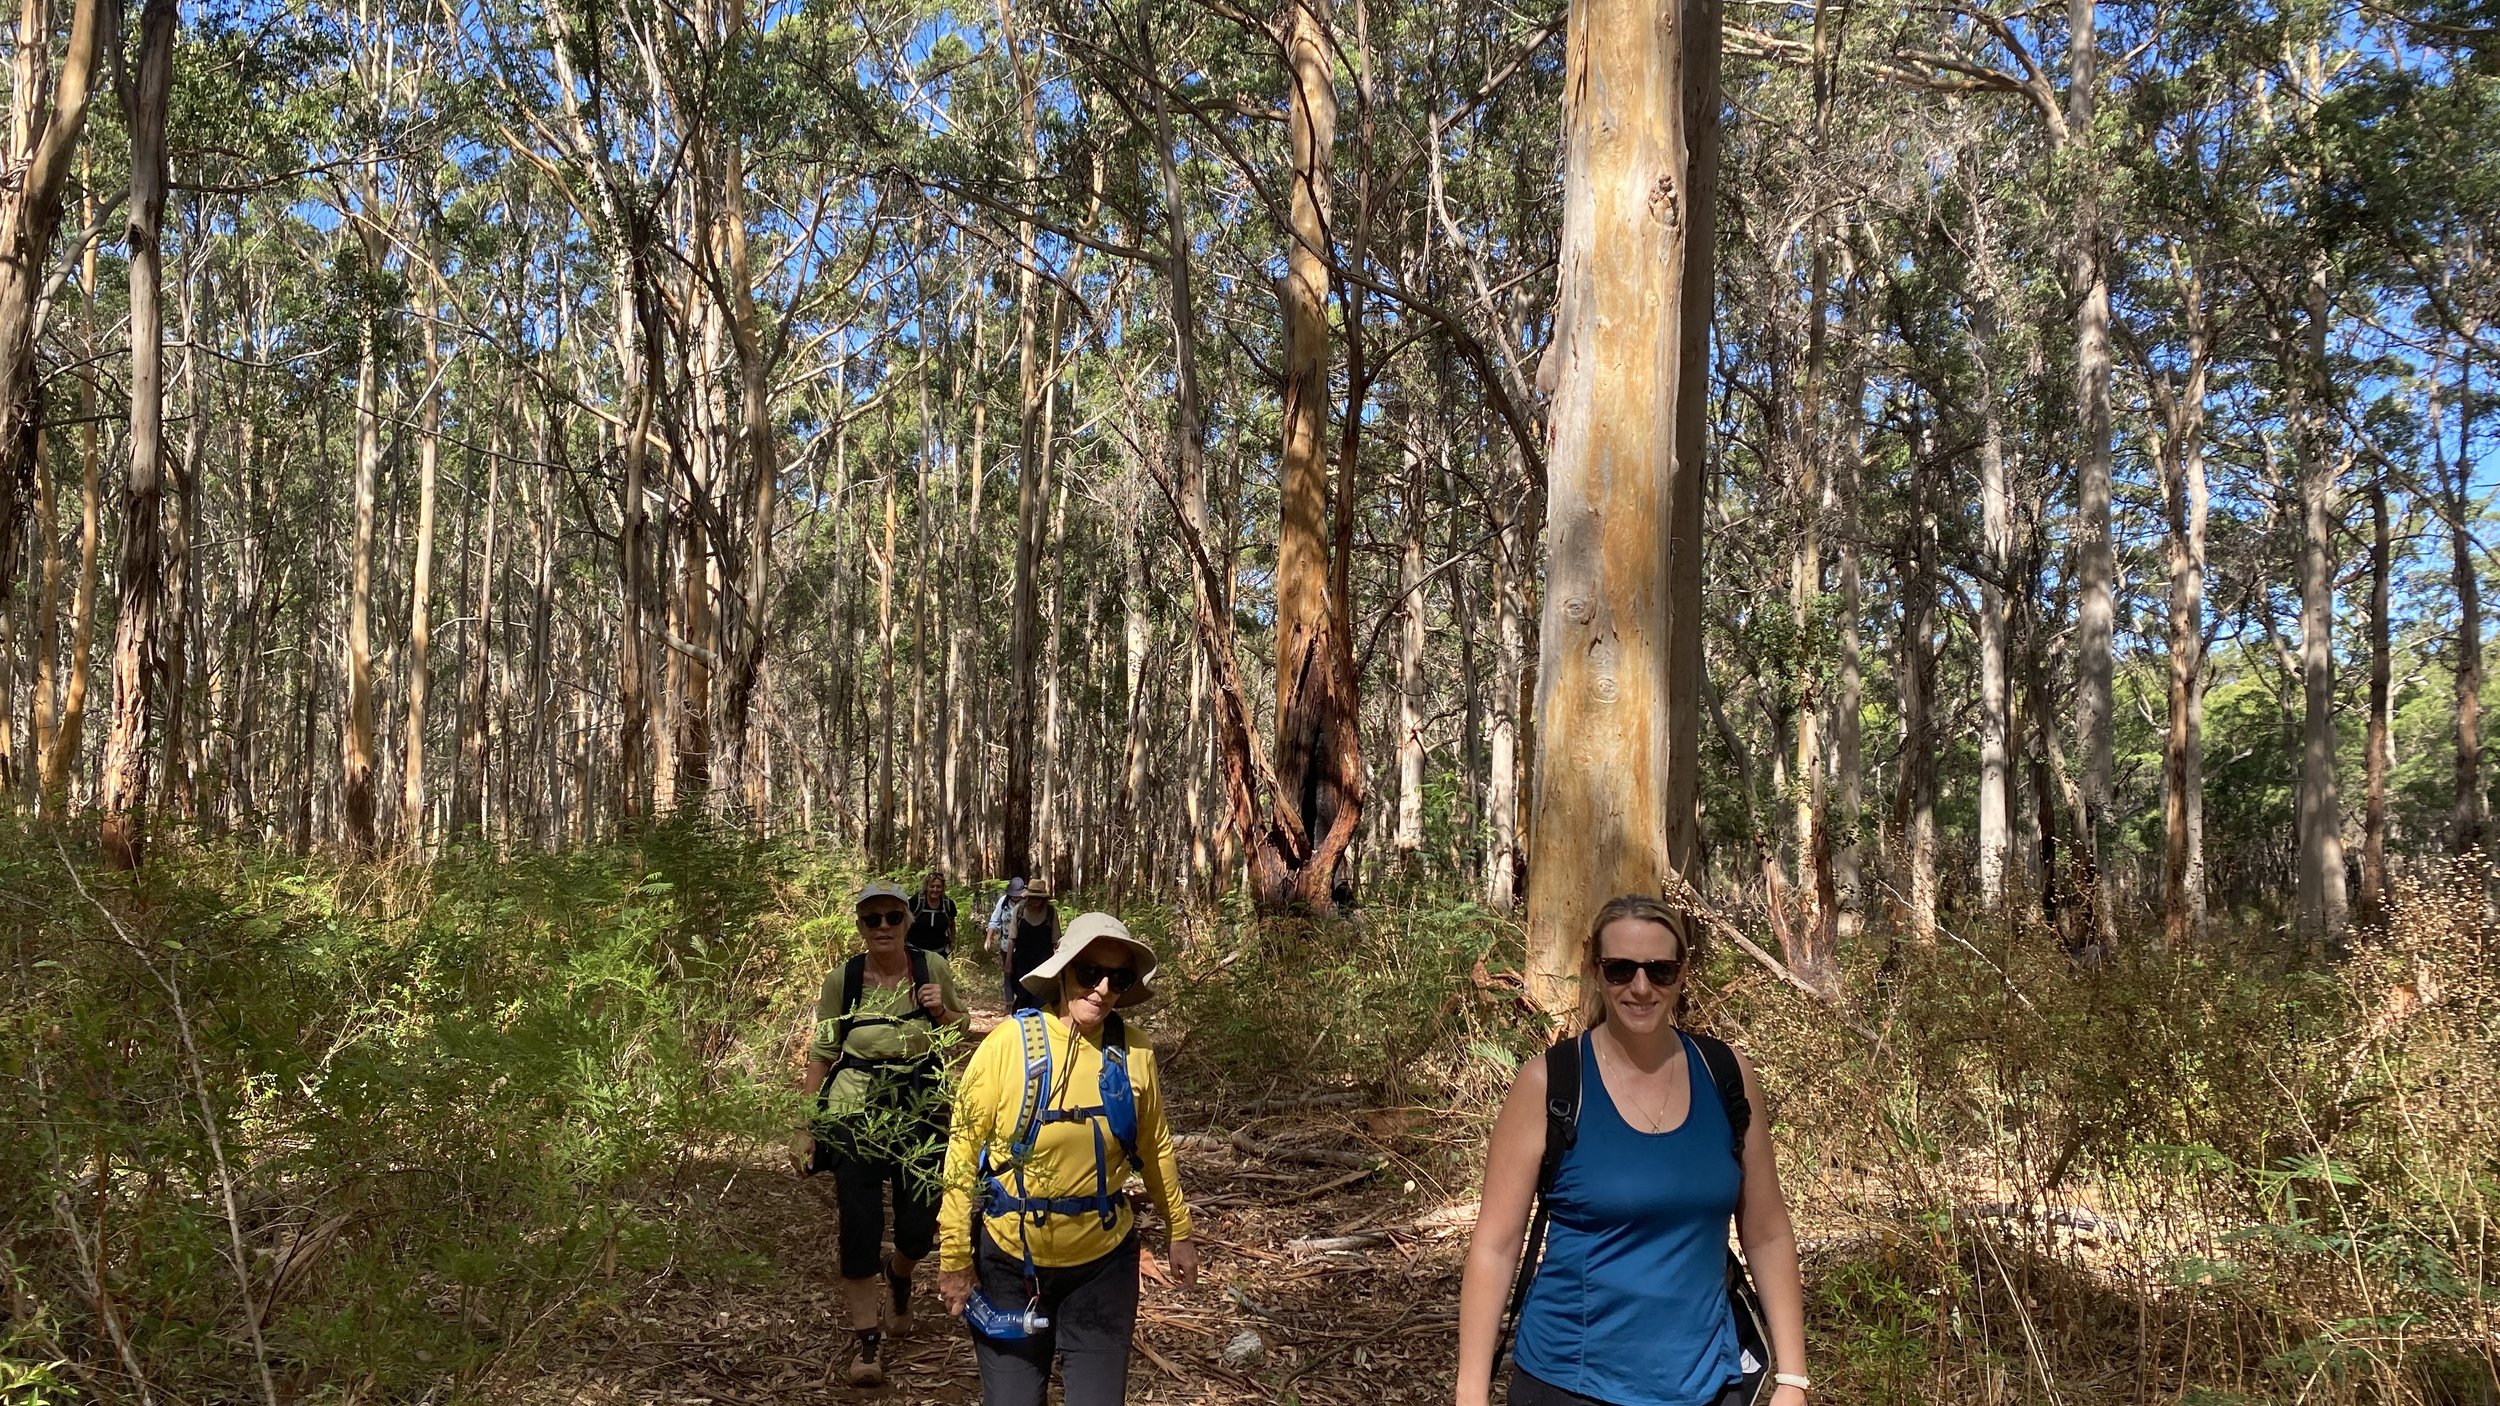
1055,1110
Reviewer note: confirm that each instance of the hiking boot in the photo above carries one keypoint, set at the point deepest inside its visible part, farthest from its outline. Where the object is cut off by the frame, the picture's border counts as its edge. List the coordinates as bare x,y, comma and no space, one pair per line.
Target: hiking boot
864,1368
898,1292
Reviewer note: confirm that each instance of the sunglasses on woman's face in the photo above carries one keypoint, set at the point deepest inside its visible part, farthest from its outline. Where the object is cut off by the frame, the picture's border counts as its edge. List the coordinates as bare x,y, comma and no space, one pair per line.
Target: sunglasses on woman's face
884,918
1089,975
1619,971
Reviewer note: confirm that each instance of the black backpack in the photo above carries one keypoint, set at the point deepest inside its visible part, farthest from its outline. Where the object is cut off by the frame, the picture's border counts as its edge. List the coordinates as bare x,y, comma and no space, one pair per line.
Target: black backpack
855,975
916,1072
1562,1130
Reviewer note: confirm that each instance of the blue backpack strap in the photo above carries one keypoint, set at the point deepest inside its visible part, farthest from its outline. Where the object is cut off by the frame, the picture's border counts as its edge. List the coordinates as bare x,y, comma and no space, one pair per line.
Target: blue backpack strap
1119,1095
1037,1080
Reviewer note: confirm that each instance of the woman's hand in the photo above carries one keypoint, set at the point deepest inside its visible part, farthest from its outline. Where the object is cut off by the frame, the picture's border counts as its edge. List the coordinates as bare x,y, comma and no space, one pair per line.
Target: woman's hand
1184,1258
931,999
955,1287
1788,1396
802,1152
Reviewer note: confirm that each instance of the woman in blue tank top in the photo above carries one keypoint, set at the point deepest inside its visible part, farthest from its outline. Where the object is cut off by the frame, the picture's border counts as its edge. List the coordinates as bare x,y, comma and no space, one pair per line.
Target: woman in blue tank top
1629,1303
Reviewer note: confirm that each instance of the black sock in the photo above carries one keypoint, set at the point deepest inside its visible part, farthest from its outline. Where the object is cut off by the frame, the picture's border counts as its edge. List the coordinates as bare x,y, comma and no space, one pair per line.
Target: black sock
898,1286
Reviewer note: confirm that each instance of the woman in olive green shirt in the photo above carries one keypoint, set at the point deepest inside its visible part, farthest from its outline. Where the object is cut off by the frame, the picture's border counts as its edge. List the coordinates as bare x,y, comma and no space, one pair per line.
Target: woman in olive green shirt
881,1117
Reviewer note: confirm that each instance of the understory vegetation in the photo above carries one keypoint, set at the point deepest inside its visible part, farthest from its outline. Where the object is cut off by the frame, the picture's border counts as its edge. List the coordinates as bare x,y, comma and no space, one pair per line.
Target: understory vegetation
285,1130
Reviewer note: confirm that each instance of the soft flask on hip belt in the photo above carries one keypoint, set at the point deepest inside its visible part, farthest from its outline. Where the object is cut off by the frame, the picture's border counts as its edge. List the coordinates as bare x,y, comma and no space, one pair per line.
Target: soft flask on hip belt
1000,1324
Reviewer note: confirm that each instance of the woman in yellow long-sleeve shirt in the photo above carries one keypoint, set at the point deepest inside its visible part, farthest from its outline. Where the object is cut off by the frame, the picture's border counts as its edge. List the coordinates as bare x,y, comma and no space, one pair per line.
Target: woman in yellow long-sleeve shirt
1047,1128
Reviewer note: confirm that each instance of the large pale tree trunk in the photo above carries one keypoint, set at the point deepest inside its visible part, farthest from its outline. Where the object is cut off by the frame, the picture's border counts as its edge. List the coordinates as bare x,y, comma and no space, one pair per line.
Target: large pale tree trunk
136,661
1409,840
1510,640
356,749
1622,571
1914,797
1996,514
61,751
45,122
421,587
2096,568
2184,499
2321,850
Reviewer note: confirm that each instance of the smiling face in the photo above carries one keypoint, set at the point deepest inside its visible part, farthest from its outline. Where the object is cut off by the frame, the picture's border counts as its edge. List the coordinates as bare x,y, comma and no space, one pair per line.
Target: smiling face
933,888
1639,1005
881,924
1111,967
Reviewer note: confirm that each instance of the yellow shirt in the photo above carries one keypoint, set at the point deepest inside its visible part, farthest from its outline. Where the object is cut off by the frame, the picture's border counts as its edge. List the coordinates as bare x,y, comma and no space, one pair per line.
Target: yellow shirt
1061,1163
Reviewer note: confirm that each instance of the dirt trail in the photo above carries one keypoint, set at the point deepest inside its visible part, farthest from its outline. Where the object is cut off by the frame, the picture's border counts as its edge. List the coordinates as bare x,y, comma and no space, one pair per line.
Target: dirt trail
1366,1315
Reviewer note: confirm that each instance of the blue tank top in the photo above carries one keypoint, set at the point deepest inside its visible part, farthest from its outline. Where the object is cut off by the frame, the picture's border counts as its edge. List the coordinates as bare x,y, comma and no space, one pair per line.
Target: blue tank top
1630,1304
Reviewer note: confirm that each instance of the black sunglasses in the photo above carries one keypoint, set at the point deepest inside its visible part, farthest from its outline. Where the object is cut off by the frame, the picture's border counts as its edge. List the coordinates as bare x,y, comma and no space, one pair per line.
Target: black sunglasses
1619,971
1089,975
884,918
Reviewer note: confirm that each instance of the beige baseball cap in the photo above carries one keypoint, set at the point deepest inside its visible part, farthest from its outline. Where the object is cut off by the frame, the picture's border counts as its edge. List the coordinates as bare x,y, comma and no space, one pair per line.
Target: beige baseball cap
880,888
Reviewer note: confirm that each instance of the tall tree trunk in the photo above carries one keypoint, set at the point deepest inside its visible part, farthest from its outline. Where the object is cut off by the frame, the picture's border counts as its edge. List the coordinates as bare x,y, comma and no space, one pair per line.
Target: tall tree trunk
1501,788
1409,841
62,752
356,759
1914,796
1024,607
1848,684
633,692
1317,746
2185,498
2096,569
136,662
1622,568
45,124
469,786
182,584
421,588
2467,820
1996,810
2321,871
46,644
2379,744
747,641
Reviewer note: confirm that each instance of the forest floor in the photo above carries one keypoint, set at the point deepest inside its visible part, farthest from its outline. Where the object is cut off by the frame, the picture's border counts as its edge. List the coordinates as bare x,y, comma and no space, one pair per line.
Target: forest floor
1367,1314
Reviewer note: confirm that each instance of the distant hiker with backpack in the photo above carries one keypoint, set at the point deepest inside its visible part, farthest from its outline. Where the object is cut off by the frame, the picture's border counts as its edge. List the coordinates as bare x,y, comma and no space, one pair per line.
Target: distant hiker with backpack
881,1117
1622,1155
1038,1246
933,917
1032,936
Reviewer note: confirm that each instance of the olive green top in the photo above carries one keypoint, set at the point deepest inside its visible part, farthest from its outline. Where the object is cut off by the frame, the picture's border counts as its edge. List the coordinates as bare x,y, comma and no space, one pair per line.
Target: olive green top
882,1028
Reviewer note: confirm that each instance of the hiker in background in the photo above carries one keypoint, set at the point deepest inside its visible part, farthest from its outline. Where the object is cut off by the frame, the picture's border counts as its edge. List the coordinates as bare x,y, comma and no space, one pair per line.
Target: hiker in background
1038,1245
933,917
1003,917
1630,1140
881,1117
1031,937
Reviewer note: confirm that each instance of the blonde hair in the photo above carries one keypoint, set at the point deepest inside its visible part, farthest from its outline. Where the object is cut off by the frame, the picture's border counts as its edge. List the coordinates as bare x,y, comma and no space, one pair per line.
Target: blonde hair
1639,908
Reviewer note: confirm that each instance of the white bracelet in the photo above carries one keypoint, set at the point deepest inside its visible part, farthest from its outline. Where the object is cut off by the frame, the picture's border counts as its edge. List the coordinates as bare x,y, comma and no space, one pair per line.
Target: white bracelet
1799,1380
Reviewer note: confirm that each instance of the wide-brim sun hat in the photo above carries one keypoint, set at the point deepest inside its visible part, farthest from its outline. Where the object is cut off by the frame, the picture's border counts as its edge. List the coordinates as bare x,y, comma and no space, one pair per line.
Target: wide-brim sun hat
875,889
1036,888
1090,928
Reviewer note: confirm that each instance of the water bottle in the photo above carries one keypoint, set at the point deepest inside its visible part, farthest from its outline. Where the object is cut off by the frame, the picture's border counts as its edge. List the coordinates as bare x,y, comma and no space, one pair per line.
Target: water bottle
1000,1324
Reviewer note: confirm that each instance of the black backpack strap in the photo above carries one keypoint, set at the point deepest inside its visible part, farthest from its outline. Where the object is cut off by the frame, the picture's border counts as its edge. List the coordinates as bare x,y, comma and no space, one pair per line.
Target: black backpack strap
919,978
1562,1129
853,971
1729,1078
